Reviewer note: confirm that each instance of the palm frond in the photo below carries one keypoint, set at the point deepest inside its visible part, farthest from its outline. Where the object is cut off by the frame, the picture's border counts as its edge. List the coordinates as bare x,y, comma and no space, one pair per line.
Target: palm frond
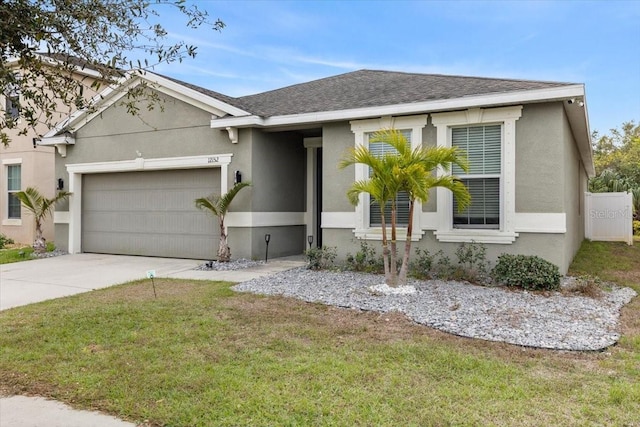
209,203
219,205
227,198
39,205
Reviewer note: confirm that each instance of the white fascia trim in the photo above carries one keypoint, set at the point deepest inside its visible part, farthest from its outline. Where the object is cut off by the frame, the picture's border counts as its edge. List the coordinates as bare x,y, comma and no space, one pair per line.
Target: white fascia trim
89,72
238,122
57,140
191,96
264,219
537,95
540,222
140,163
115,92
104,99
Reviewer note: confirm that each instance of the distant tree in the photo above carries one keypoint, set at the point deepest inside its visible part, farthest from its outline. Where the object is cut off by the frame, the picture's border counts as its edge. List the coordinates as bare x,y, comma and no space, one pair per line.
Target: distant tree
109,36
619,151
218,205
617,162
40,207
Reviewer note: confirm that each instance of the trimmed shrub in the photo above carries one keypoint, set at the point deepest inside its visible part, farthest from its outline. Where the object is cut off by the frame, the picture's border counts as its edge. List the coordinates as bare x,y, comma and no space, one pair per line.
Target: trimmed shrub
527,272
320,258
366,259
422,265
4,241
472,261
636,227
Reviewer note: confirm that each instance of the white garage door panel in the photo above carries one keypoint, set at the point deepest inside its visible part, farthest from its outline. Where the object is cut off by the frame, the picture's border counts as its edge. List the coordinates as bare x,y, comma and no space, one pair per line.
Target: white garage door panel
149,213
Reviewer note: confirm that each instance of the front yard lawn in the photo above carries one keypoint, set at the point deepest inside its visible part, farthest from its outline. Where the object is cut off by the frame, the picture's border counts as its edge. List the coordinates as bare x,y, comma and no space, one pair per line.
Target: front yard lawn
19,254
202,355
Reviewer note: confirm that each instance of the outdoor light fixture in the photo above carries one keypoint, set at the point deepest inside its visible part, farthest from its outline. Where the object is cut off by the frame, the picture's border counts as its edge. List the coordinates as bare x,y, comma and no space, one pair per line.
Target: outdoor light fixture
237,178
60,184
267,239
310,240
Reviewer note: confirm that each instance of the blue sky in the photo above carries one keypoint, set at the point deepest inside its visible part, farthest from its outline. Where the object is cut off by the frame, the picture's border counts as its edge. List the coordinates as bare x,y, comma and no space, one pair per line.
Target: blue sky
271,44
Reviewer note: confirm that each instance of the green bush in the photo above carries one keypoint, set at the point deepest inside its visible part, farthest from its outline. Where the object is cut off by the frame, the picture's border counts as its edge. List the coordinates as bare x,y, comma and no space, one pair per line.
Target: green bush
472,262
422,264
527,272
636,227
366,259
4,241
320,258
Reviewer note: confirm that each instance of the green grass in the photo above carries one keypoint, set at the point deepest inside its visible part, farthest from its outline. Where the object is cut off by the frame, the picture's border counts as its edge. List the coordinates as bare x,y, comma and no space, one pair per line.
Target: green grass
201,355
8,256
20,254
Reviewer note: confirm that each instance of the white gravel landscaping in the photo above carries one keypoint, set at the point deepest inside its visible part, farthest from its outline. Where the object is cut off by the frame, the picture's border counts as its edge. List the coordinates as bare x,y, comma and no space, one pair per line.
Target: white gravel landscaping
552,320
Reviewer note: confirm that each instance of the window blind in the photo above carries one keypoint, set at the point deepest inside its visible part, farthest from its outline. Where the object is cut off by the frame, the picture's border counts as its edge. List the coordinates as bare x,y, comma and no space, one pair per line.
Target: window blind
482,145
379,149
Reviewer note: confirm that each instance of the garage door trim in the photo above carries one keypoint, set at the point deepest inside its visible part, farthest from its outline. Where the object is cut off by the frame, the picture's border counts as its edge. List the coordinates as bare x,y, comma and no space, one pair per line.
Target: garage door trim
139,164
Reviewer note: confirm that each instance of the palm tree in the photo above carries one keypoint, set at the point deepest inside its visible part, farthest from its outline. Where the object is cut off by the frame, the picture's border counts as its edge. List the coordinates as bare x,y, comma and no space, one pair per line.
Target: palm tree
218,205
382,188
40,207
411,171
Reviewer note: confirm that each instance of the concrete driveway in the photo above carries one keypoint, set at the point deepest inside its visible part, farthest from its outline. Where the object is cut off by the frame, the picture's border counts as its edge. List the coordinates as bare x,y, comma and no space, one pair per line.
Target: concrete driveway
23,283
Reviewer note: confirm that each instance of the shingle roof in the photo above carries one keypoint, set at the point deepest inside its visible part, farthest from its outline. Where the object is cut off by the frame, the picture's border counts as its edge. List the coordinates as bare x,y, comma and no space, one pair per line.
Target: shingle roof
217,95
370,88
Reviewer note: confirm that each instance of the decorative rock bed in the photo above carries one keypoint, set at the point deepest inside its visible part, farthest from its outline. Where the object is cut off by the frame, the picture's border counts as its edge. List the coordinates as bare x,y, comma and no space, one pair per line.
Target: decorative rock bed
237,264
551,320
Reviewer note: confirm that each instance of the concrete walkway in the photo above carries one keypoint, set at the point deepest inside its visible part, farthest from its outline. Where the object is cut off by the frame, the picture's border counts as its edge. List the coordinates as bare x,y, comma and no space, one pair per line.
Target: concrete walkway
29,282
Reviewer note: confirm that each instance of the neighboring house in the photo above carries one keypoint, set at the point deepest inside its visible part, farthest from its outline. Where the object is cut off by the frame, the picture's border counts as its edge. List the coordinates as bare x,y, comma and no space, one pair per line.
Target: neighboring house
134,179
24,163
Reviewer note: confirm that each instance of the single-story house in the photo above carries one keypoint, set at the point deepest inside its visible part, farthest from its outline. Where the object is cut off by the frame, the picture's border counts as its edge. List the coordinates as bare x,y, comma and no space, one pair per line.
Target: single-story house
135,177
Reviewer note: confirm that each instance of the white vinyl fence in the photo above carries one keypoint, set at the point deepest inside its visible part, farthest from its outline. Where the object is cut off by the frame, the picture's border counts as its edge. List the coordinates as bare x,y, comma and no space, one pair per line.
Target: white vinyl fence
609,217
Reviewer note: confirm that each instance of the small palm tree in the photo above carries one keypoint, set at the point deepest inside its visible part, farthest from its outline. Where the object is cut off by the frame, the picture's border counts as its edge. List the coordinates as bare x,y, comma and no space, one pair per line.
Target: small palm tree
218,205
411,171
382,188
40,207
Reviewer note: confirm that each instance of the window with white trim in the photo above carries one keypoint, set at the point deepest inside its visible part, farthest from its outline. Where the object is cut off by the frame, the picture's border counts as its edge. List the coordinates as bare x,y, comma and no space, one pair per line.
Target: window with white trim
488,136
482,144
13,186
380,149
367,218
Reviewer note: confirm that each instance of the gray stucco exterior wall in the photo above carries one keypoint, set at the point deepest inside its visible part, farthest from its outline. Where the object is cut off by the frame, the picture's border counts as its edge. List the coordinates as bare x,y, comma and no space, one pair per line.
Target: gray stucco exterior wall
575,184
337,139
180,130
539,158
548,179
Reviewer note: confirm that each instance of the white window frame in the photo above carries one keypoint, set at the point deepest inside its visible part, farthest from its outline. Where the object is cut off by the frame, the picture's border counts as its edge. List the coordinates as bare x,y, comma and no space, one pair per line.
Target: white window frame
507,117
361,128
5,189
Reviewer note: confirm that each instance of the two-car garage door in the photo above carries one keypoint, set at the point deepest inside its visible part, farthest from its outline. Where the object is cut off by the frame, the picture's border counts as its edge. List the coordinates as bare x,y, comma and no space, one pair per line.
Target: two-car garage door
149,213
